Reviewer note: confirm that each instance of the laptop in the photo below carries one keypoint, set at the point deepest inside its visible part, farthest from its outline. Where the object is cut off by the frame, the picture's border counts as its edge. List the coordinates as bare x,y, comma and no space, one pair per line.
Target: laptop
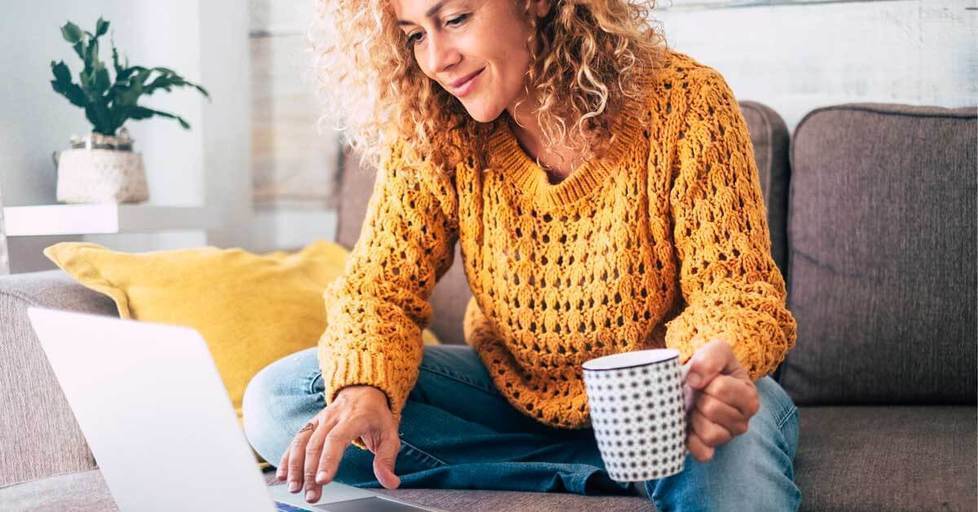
159,422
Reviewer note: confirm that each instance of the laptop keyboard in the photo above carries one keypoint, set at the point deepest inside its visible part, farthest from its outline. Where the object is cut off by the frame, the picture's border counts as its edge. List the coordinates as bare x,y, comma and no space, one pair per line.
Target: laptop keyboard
285,507
372,504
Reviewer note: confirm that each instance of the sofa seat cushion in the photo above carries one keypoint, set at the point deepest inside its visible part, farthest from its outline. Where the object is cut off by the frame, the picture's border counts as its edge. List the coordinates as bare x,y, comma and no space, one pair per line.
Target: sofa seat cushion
849,459
86,492
887,458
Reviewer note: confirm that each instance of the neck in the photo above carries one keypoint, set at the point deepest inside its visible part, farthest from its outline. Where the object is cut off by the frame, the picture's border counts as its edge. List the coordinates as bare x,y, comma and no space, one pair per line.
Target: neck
556,161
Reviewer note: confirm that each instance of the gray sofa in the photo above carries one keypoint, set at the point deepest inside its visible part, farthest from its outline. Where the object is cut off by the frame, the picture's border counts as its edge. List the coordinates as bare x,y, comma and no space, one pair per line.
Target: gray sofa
872,215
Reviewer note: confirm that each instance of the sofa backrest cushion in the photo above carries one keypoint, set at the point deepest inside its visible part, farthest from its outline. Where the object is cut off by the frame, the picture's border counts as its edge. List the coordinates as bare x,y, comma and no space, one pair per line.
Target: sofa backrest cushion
882,254
38,430
769,136
452,292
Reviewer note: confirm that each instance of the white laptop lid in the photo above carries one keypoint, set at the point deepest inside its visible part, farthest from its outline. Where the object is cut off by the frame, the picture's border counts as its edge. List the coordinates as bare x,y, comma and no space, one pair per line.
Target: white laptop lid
182,449
168,440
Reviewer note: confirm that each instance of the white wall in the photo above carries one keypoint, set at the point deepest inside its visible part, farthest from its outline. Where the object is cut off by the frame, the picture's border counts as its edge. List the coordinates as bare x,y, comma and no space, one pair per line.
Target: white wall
226,124
797,55
793,55
203,40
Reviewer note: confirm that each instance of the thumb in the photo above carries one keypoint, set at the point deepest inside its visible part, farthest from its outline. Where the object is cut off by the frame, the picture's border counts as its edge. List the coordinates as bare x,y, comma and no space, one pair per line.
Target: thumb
384,460
710,360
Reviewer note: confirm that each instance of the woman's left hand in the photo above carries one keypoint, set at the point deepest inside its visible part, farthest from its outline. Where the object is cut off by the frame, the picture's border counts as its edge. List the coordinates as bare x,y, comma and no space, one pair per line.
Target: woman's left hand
723,398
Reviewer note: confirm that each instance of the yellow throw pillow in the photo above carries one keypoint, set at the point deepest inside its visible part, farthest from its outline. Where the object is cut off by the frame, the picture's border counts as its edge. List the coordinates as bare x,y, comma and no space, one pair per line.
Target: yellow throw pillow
251,309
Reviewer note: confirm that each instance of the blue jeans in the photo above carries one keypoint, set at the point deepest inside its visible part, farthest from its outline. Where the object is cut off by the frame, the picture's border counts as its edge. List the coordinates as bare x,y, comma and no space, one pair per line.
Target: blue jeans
458,432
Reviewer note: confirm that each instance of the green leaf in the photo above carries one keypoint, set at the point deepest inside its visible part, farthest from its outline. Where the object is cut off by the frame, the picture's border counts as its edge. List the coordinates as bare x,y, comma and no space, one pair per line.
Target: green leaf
63,85
79,50
87,80
202,90
115,64
101,27
169,80
108,102
99,120
61,71
142,74
128,92
101,79
164,82
165,70
98,111
91,54
145,113
71,32
123,75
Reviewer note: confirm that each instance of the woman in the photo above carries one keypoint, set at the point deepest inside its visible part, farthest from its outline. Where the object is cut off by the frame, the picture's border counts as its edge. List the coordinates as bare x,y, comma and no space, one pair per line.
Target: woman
604,193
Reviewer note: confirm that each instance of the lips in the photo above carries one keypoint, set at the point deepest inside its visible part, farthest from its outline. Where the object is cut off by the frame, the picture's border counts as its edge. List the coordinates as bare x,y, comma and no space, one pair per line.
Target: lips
456,84
463,85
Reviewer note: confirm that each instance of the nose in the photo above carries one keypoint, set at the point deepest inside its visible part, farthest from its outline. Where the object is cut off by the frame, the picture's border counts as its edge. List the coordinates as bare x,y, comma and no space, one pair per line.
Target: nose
441,54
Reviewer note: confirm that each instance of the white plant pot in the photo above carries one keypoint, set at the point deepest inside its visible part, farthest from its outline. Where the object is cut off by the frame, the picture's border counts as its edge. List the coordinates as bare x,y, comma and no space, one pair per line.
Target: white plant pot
101,176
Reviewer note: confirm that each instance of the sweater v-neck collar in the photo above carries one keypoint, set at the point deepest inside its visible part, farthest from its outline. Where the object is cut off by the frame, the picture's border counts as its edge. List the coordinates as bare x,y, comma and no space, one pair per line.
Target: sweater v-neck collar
534,182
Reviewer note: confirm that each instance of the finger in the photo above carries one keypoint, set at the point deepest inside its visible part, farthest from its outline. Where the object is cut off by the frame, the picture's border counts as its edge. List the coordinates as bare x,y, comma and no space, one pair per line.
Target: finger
709,360
333,448
690,396
710,433
738,393
722,414
698,448
283,465
314,449
385,459
297,455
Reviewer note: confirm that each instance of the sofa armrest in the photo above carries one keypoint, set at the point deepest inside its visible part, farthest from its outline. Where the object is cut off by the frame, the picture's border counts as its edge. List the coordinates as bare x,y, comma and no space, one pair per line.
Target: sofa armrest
39,432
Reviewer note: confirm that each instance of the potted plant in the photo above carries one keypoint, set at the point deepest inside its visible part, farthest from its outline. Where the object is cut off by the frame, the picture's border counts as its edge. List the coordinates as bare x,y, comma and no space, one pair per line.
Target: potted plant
101,166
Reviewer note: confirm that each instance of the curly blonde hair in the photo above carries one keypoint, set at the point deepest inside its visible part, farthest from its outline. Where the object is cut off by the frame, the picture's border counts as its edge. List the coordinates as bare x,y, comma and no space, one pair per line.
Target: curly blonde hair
584,55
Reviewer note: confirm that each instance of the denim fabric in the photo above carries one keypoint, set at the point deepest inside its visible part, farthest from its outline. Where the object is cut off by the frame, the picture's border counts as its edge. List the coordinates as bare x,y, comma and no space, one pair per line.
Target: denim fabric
458,432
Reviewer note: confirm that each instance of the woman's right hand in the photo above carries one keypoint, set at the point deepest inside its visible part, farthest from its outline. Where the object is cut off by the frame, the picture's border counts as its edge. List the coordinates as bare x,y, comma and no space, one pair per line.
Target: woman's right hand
313,457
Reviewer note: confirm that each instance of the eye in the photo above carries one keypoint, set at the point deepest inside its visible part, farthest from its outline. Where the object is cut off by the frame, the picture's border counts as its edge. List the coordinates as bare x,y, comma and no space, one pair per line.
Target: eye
457,20
411,40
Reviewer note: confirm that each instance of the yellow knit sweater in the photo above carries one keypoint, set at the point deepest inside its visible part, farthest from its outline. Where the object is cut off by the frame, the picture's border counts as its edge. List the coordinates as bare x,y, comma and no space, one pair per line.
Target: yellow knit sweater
661,242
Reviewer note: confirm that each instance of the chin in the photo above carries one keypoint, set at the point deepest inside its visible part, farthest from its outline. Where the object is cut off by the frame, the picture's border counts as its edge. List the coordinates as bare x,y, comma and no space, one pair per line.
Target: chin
481,113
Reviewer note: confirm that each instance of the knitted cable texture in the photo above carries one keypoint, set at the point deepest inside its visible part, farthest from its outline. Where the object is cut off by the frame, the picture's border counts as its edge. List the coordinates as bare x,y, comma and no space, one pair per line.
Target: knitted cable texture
662,241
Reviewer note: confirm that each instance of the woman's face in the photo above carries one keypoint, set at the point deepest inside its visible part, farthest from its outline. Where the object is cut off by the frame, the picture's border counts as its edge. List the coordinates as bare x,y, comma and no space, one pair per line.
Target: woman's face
453,40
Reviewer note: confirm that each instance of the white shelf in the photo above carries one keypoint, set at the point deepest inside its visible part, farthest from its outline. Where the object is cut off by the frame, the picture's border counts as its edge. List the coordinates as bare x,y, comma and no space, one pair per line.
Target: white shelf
104,218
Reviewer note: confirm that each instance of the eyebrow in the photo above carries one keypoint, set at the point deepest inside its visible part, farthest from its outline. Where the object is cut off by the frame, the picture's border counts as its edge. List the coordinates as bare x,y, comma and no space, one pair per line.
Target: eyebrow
429,14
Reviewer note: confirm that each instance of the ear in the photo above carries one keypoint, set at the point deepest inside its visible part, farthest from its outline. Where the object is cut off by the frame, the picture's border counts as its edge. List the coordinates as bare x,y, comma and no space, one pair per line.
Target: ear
540,7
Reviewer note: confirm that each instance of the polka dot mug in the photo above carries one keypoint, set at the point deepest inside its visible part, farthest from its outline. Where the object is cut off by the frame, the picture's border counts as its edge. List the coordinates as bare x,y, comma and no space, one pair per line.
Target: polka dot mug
638,412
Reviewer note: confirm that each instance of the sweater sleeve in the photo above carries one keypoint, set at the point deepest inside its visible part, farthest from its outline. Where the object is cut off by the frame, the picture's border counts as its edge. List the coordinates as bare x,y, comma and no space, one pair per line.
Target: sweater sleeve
732,287
377,308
